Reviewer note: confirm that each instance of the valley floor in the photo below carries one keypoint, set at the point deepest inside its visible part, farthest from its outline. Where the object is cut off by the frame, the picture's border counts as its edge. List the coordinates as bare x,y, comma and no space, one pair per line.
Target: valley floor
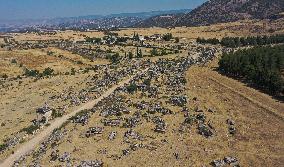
258,140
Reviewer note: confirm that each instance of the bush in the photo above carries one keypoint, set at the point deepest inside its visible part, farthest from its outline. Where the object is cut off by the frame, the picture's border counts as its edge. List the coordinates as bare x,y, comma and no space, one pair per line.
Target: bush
114,58
167,37
3,147
154,52
14,61
176,40
73,71
132,88
147,82
30,130
31,73
79,62
56,114
5,76
163,52
49,53
130,55
48,71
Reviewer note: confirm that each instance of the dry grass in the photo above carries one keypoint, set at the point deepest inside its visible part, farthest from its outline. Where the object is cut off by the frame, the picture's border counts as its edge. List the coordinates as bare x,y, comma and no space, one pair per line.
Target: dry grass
257,142
241,28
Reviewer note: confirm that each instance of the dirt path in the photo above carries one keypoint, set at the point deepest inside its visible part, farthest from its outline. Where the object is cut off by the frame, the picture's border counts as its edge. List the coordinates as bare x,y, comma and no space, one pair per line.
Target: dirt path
30,145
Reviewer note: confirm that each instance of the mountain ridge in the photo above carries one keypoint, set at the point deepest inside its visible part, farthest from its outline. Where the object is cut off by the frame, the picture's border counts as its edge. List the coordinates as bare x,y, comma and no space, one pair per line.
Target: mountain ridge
220,11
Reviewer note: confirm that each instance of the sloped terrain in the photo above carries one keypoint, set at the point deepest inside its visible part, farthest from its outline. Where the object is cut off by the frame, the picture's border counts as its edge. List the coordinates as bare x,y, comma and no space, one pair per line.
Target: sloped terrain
218,11
159,21
221,11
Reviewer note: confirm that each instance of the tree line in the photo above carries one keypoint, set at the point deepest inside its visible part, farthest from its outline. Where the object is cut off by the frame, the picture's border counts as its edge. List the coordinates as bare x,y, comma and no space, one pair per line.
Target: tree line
234,42
262,66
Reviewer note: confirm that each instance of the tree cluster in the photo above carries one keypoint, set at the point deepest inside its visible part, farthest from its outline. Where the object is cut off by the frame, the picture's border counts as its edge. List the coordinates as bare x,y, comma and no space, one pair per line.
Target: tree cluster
262,66
234,42
213,41
35,73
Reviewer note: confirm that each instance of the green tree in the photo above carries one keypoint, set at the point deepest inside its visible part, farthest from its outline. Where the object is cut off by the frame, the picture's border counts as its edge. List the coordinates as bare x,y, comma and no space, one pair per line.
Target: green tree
139,53
130,55
132,88
48,71
154,52
167,37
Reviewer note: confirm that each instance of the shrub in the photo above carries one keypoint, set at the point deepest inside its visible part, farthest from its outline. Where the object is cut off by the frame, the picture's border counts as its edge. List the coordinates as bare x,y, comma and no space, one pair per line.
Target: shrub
31,129
14,61
48,71
79,62
73,72
147,82
3,147
5,76
154,52
56,114
130,55
132,88
167,37
114,58
31,73
176,40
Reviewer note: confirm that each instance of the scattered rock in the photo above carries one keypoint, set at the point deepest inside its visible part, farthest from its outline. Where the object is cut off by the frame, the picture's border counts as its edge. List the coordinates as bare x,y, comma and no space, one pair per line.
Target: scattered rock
112,135
95,163
94,131
205,131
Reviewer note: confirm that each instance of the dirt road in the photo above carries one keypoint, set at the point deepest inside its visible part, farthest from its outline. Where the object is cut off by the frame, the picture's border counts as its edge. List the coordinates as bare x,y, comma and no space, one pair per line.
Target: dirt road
30,145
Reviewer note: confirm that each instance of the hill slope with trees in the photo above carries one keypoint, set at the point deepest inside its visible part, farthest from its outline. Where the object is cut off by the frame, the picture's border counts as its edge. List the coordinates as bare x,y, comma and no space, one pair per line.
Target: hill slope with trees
221,11
263,66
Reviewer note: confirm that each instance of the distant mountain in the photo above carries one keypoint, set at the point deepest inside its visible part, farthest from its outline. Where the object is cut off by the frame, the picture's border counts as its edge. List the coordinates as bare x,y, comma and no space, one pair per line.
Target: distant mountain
145,15
116,20
86,22
168,20
219,11
121,22
122,16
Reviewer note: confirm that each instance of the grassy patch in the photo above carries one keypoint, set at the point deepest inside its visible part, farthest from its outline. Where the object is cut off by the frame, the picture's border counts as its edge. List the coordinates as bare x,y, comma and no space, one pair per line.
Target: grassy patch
3,147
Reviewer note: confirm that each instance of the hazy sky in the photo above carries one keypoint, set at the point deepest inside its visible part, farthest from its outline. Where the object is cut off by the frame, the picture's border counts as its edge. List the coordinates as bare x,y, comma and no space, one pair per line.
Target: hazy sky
23,9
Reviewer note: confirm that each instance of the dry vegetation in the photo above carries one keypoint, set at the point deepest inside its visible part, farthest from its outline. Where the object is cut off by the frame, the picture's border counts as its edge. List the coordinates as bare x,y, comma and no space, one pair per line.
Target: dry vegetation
258,117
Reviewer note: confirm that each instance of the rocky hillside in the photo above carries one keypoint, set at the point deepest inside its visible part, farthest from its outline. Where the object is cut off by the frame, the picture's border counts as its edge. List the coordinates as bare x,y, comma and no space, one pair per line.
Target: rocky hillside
219,11
159,21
